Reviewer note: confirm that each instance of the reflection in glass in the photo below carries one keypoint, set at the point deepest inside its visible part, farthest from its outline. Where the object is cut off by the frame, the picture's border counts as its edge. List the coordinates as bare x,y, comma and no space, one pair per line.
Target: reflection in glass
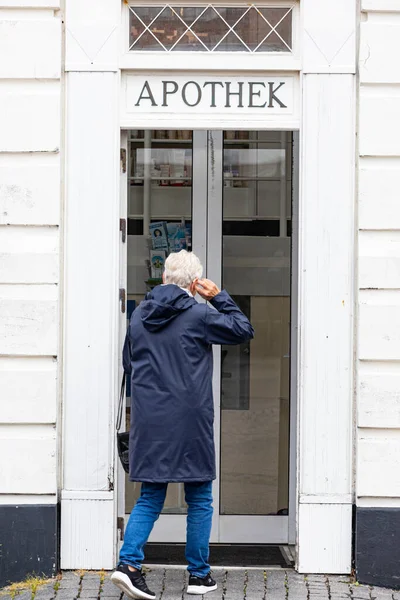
210,28
256,271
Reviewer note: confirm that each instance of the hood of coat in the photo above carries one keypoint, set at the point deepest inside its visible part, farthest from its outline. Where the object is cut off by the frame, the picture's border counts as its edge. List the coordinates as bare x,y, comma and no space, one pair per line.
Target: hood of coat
163,304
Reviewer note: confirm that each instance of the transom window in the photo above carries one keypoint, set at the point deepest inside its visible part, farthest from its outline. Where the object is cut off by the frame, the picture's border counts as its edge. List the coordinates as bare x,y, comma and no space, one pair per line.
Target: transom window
210,28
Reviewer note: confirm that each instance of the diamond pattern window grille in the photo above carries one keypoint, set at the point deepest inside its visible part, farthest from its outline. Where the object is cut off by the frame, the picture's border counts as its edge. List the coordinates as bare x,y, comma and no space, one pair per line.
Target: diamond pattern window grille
210,28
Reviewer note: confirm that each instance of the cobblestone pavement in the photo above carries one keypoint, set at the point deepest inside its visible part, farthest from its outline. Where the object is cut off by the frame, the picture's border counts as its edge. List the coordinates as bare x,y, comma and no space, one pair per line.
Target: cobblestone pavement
233,584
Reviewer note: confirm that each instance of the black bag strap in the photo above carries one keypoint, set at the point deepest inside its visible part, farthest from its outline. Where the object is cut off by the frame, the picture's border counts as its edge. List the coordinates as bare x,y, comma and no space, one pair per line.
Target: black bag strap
121,402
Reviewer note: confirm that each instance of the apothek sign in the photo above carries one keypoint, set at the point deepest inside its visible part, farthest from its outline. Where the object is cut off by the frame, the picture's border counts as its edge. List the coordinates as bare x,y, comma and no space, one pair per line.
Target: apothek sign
203,94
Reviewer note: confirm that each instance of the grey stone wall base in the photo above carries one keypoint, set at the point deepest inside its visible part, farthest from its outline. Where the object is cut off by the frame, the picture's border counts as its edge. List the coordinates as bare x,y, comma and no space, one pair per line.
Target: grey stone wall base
31,535
377,546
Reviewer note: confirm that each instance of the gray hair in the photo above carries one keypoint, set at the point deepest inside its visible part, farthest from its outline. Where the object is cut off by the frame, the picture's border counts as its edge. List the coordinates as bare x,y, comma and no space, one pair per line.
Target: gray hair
182,268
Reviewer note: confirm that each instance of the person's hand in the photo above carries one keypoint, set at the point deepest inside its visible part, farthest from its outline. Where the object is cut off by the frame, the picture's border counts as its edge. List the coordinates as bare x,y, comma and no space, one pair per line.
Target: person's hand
206,289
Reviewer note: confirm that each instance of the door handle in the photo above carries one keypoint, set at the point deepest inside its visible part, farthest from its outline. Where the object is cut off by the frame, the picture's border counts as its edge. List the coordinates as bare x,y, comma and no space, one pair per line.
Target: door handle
122,299
122,228
123,159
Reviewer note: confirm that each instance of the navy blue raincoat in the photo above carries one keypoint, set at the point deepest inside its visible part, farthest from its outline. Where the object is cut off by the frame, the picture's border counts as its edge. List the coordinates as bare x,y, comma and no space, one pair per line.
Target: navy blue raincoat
168,353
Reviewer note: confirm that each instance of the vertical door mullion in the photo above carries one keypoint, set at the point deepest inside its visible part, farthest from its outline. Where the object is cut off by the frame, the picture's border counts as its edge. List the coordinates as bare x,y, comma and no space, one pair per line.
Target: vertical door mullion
199,196
214,272
294,340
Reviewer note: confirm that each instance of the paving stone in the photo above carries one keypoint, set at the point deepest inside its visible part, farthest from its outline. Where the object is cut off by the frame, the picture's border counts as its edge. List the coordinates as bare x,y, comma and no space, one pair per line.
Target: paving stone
340,595
347,579
360,592
91,582
317,584
174,584
46,592
67,594
220,576
296,586
109,589
317,587
255,588
45,595
25,595
338,581
70,575
339,588
69,584
276,589
381,593
47,587
235,584
90,593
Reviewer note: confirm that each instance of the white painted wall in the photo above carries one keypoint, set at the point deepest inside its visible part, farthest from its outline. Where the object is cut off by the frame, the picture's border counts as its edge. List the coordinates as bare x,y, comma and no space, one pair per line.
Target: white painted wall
326,276
30,38
91,312
378,367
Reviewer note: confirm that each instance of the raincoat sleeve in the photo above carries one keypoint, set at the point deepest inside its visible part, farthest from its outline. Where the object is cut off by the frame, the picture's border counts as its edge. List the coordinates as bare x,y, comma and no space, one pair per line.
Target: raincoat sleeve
126,354
227,324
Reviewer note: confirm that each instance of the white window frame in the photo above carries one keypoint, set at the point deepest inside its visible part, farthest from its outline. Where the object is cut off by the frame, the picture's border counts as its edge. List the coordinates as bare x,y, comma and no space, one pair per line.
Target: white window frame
212,61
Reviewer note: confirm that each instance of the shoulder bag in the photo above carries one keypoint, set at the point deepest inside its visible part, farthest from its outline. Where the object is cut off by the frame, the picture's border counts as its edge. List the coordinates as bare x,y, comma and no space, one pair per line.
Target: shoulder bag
122,438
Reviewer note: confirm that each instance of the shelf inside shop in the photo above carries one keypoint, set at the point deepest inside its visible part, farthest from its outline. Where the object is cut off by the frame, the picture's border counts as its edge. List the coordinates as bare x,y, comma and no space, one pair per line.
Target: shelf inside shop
227,217
159,141
247,141
234,178
159,217
190,178
161,178
179,141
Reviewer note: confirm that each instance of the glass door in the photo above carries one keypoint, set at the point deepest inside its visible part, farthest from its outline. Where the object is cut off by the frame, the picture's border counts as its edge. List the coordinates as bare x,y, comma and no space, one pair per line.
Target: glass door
160,221
226,196
253,220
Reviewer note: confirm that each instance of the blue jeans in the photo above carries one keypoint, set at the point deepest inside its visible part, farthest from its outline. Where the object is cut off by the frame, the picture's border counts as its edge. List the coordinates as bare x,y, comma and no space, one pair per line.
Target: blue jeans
198,497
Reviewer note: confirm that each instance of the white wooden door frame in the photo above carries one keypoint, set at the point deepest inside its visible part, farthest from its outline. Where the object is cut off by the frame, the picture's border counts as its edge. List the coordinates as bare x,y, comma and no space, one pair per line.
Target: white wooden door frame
327,35
123,276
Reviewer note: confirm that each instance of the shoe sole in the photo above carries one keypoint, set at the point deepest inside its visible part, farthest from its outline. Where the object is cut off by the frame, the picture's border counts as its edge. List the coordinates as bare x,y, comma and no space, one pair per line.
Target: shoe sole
199,590
123,582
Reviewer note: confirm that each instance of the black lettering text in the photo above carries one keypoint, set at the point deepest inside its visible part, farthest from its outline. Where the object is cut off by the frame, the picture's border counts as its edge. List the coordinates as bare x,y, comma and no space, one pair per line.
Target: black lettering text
198,88
252,93
272,96
229,94
149,96
166,91
213,84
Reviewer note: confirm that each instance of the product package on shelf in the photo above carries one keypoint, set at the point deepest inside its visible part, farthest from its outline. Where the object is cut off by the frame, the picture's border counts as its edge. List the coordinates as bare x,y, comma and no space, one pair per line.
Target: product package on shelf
138,166
157,261
188,234
176,237
179,236
164,172
188,166
159,235
177,166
